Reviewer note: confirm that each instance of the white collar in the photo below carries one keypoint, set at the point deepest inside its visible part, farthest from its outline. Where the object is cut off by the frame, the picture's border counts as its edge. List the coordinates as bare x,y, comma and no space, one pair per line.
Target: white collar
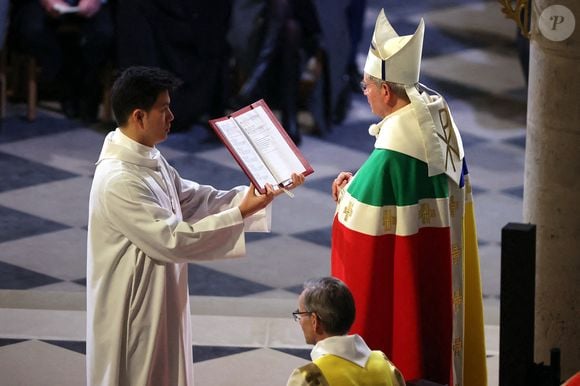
117,145
350,347
120,138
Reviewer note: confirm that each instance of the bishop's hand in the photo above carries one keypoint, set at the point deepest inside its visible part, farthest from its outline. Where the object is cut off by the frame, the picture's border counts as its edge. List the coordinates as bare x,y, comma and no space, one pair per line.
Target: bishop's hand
339,183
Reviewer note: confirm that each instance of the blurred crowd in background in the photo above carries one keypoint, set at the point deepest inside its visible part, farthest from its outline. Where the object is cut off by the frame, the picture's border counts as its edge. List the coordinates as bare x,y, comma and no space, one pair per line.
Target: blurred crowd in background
298,55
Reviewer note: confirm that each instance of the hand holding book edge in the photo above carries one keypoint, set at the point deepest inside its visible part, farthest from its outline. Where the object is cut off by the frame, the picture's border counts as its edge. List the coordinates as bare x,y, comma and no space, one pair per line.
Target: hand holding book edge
297,179
253,201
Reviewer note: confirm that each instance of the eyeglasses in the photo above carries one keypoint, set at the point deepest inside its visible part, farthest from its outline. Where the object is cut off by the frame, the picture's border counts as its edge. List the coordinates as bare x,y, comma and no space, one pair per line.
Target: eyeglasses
363,85
297,315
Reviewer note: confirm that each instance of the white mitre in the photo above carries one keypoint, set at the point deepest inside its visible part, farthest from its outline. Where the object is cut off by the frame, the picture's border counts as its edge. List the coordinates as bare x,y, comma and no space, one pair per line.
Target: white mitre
397,59
392,57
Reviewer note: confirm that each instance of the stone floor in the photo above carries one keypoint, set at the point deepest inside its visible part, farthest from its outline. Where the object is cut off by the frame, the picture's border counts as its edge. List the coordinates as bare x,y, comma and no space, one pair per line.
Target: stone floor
241,308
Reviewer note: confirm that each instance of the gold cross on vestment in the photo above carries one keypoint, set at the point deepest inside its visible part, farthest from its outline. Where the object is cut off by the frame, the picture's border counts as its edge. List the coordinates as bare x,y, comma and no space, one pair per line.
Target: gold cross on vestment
455,253
445,124
457,345
389,221
452,205
457,300
426,213
347,211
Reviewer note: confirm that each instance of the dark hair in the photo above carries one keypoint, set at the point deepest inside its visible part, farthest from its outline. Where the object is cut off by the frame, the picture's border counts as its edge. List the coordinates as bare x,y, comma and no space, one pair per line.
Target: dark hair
332,301
138,88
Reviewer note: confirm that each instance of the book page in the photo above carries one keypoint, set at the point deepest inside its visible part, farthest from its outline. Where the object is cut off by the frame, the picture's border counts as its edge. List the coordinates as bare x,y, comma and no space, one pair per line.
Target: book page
64,8
273,148
246,152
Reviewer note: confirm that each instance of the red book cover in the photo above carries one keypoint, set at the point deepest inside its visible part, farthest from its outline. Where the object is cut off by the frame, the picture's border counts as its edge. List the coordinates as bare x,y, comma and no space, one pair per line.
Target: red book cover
261,146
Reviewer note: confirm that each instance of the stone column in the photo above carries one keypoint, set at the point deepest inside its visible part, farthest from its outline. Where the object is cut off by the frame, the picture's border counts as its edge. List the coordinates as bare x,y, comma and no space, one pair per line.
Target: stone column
552,177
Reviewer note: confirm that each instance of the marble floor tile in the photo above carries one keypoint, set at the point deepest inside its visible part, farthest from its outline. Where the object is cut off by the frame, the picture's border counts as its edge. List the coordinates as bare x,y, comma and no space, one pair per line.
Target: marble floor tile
279,262
65,259
40,363
75,151
478,68
46,200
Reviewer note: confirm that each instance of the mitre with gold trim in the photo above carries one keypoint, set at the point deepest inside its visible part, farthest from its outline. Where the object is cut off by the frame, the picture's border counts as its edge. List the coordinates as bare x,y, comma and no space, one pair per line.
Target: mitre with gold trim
395,58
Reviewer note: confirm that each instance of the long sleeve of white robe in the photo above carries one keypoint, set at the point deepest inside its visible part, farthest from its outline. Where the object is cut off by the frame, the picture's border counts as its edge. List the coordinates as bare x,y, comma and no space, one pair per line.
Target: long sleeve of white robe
145,224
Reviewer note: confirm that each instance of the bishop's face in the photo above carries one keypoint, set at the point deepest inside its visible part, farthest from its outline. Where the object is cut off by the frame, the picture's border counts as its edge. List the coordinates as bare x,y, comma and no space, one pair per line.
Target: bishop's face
376,96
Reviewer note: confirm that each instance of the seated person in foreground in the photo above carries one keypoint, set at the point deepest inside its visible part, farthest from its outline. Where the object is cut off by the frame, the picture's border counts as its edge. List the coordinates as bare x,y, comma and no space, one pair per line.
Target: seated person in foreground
325,313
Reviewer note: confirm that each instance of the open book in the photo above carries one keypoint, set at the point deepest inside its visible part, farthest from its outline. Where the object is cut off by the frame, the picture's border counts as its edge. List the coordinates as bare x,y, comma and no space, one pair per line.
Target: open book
261,146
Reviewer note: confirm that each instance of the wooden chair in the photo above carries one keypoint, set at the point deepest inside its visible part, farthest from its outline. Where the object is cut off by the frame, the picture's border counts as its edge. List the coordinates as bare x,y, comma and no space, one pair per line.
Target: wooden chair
3,97
22,71
14,66
19,78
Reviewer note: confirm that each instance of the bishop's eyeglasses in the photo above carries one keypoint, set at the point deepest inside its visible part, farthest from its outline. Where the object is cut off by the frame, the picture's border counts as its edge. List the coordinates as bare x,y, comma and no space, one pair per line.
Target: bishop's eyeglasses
297,315
363,85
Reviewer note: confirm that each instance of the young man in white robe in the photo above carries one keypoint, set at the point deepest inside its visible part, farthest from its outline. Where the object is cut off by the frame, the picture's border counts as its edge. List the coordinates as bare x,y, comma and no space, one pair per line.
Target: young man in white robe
145,224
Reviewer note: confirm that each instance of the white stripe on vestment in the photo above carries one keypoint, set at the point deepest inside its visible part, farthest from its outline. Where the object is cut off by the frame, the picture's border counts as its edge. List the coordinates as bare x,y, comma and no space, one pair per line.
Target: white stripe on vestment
383,220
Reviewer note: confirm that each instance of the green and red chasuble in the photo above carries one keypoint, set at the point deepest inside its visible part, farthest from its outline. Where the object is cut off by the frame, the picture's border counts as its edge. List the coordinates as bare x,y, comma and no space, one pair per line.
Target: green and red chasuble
405,244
